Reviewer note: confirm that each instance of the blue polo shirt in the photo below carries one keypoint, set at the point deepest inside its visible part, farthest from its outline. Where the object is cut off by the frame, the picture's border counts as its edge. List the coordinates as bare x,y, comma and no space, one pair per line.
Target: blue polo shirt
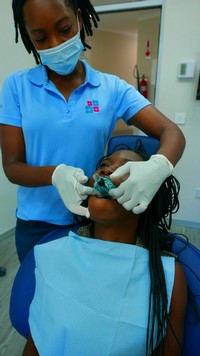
74,132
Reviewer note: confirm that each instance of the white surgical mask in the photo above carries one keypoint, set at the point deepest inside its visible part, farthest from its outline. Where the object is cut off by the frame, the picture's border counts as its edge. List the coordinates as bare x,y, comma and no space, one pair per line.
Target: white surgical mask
63,59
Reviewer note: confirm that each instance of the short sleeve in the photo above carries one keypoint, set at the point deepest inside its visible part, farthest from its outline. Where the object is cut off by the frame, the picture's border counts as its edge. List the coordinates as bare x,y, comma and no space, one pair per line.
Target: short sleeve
128,100
9,103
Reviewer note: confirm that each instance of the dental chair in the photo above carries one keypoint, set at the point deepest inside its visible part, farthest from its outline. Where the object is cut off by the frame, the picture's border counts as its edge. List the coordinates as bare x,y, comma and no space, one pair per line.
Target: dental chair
188,255
150,144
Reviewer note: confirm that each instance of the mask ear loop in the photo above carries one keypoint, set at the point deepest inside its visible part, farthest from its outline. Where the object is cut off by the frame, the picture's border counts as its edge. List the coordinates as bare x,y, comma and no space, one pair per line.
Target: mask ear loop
78,24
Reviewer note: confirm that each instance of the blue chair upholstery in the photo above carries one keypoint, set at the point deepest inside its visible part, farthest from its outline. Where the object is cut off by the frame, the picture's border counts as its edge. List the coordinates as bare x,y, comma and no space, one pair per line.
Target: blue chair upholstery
151,144
24,287
189,256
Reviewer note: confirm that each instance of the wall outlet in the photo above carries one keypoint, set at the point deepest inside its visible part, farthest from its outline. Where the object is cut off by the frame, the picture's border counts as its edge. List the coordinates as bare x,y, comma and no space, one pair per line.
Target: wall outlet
197,195
179,118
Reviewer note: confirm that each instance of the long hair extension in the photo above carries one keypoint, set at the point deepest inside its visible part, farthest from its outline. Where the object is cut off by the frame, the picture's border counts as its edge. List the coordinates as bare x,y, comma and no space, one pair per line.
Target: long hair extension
153,232
89,17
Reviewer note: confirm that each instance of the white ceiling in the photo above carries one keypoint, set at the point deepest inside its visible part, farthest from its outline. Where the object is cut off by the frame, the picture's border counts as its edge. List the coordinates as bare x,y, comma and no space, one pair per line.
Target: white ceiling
123,22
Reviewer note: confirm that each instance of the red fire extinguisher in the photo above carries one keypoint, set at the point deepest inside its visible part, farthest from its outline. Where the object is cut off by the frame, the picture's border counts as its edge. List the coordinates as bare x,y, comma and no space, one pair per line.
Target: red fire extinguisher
144,86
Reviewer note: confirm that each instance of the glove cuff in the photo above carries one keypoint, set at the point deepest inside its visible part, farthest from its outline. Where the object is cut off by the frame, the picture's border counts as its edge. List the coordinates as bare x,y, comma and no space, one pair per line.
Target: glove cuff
161,158
56,172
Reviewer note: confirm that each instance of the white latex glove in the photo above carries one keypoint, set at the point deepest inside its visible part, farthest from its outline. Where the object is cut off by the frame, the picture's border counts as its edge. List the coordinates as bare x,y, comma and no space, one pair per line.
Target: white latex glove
145,178
69,182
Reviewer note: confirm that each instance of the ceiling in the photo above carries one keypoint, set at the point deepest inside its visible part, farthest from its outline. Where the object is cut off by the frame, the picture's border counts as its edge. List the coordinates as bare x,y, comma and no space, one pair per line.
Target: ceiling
124,22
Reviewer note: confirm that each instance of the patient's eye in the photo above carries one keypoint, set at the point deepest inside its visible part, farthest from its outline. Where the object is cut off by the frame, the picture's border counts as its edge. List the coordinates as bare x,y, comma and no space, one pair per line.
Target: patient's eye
104,164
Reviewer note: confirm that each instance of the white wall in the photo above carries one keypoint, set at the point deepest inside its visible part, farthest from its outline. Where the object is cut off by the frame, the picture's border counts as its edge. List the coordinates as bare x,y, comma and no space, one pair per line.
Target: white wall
114,53
12,57
180,38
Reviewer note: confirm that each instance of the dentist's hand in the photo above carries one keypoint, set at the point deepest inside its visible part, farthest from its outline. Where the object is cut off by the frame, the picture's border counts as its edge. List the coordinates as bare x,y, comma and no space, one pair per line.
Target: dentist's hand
69,183
145,178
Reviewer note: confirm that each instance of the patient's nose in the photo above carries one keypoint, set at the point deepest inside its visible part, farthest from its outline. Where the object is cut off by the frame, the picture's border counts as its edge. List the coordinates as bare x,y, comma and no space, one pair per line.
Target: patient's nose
106,171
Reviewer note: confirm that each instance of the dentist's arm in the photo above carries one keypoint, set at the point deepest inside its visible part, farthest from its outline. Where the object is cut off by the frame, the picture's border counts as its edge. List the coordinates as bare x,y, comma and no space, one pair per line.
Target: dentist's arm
153,123
69,181
145,178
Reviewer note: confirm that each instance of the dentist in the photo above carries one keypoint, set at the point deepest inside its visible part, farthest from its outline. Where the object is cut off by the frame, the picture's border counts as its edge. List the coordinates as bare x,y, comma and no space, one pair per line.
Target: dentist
59,115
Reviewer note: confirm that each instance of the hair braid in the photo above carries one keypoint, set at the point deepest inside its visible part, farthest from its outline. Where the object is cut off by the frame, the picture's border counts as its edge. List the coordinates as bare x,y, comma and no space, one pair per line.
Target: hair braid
17,7
158,308
88,13
153,232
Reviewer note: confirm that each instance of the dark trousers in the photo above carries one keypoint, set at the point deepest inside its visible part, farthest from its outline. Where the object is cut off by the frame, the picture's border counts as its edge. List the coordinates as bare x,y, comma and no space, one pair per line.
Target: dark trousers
30,233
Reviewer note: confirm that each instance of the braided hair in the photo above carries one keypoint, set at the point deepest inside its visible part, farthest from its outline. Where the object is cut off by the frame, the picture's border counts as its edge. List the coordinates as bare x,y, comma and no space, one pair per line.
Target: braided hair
153,230
88,12
153,234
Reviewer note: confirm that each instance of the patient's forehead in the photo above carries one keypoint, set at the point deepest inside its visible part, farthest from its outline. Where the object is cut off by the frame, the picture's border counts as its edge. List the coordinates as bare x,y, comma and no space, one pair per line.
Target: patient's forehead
126,155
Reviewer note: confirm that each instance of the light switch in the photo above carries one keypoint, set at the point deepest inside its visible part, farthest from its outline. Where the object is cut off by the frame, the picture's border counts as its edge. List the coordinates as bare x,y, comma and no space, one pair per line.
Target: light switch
179,118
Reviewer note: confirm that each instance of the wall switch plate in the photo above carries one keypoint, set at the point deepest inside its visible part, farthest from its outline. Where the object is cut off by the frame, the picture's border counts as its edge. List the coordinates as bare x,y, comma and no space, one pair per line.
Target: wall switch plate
179,118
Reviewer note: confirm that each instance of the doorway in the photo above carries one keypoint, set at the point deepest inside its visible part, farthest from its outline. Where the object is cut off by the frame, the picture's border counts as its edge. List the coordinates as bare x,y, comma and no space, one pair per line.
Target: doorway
124,40
121,42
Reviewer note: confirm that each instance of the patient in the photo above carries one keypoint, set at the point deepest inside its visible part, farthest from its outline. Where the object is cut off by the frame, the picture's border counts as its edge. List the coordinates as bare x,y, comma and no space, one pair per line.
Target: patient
113,288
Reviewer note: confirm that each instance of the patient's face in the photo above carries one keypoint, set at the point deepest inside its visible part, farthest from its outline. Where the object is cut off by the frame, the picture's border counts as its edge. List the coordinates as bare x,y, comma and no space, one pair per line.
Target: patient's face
102,209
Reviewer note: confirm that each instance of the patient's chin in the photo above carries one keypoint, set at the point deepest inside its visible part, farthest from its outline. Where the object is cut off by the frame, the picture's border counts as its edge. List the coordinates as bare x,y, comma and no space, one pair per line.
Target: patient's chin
94,200
105,209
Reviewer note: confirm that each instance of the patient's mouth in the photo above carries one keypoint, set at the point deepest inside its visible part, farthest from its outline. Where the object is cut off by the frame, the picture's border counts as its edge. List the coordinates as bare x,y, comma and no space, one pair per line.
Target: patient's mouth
103,185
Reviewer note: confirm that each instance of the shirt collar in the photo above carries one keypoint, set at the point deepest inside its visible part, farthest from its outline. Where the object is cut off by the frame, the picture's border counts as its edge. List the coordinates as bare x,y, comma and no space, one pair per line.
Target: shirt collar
39,77
92,75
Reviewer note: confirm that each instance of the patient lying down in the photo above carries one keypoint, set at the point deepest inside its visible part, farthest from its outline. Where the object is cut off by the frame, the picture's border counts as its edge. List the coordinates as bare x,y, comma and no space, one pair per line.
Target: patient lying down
104,290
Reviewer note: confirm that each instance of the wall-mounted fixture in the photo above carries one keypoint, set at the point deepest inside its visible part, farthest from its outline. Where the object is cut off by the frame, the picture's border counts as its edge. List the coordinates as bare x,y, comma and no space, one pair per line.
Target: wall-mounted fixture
179,118
186,69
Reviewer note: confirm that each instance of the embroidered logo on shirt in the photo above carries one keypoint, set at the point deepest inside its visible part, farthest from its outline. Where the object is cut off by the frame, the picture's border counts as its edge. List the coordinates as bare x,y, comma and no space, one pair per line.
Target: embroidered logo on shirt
92,106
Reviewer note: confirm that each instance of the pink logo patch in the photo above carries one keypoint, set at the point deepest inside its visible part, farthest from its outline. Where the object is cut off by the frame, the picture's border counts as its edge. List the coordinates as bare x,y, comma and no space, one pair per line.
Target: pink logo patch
92,106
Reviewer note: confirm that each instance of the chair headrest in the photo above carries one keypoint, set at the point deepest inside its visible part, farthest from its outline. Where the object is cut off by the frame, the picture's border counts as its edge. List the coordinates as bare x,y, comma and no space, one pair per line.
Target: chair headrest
151,144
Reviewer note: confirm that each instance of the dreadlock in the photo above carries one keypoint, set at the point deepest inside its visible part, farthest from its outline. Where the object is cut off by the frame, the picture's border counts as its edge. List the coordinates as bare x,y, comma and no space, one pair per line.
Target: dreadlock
89,16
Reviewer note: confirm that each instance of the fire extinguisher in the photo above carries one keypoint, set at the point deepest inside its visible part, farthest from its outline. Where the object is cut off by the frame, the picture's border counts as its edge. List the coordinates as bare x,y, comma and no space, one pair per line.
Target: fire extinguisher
144,86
